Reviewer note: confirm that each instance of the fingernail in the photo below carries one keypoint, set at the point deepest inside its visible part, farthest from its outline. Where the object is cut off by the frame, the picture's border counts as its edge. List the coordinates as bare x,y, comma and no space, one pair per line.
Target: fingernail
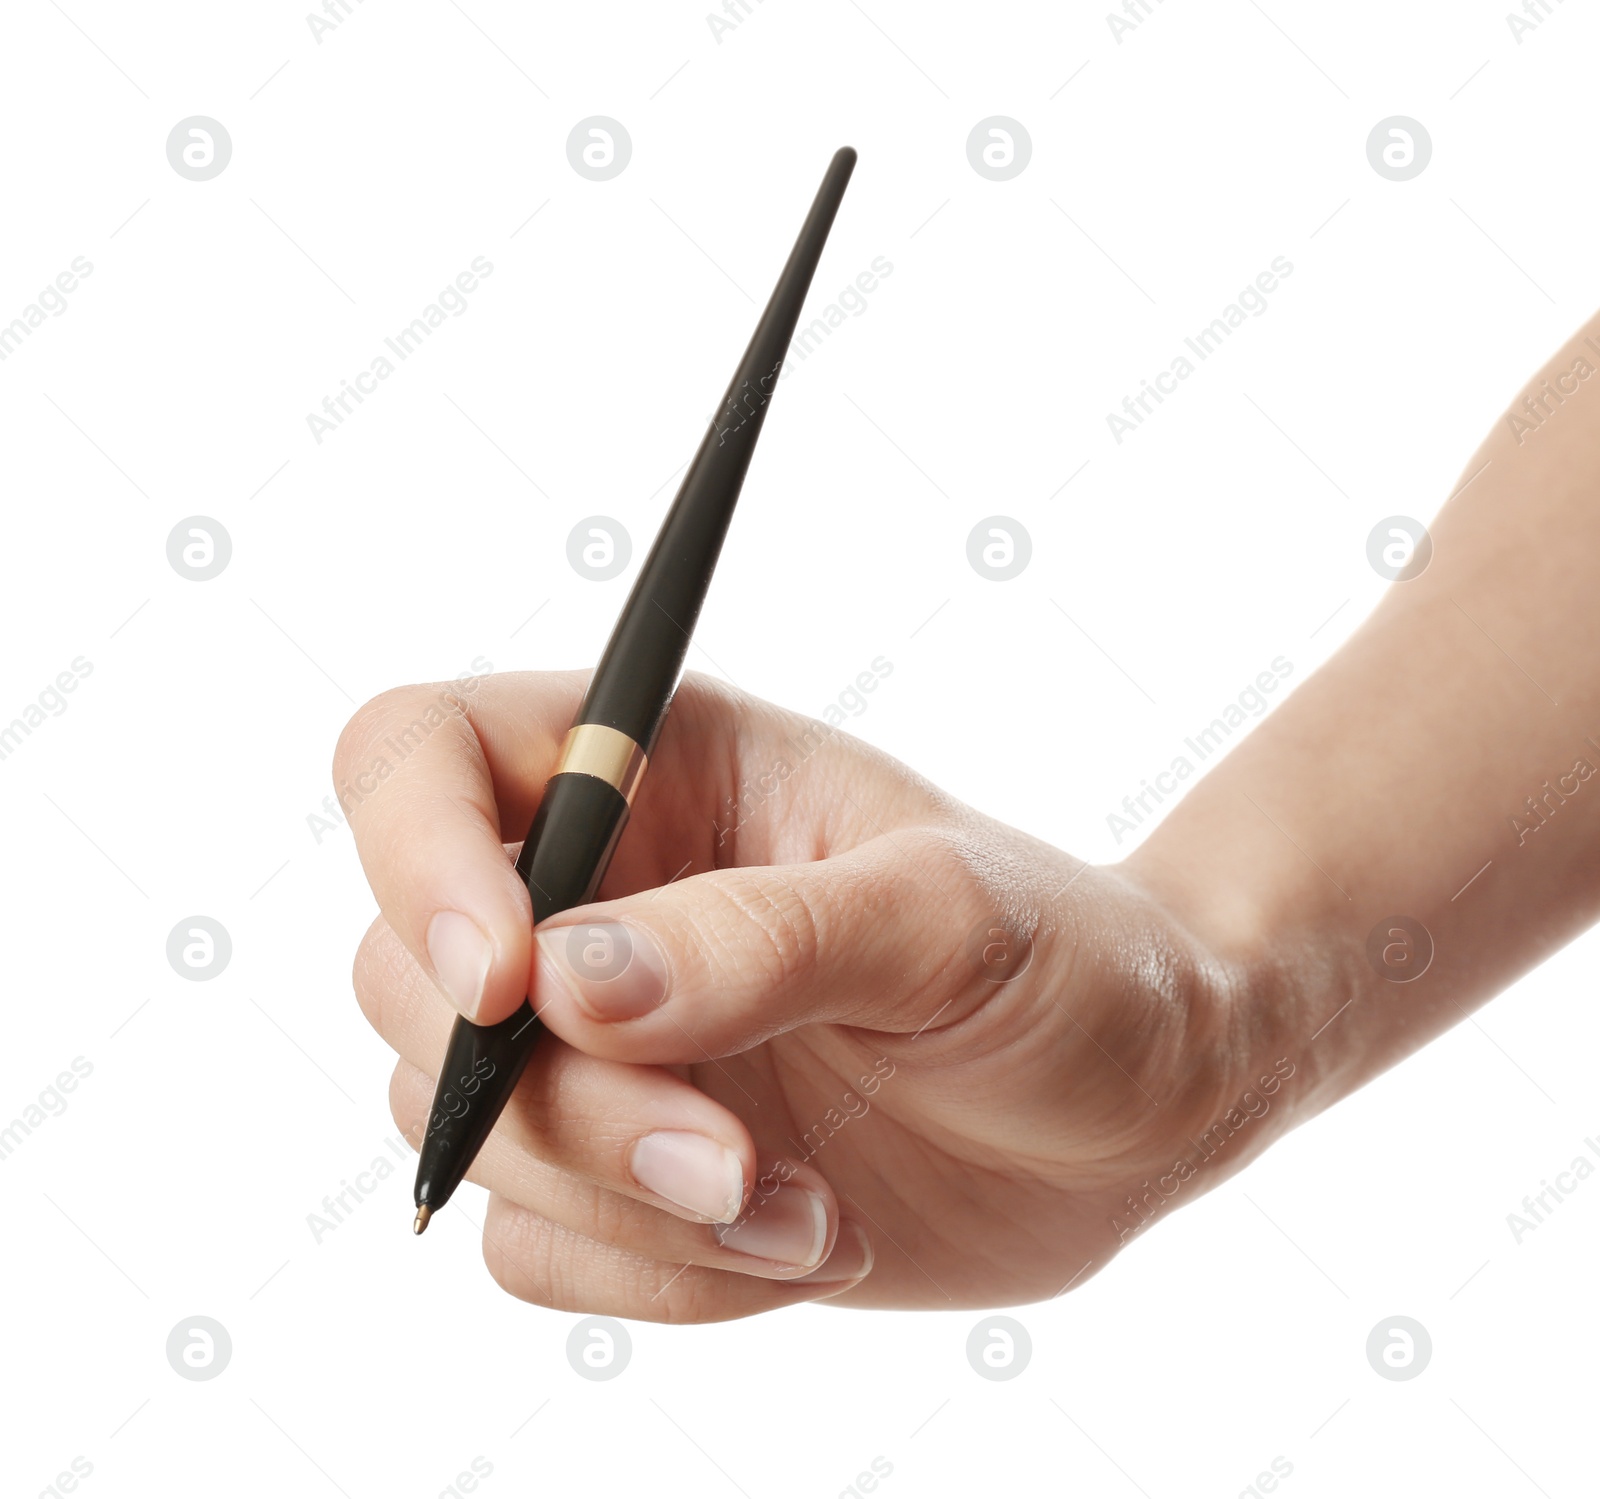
789,1228
850,1261
460,955
614,972
690,1170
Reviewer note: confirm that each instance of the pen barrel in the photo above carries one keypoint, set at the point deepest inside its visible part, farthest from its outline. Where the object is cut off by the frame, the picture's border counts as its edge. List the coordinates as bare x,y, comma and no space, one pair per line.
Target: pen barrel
563,860
639,671
573,836
585,805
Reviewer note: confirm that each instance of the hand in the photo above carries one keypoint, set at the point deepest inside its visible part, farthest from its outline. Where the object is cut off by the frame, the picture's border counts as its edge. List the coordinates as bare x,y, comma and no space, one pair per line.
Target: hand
867,1045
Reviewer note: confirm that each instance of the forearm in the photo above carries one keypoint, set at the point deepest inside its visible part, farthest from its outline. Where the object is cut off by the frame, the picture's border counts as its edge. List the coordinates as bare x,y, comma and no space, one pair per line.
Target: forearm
1387,785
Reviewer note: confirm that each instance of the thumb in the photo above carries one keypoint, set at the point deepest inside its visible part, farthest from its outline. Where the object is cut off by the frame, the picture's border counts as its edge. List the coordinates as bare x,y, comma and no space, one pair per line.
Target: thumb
889,936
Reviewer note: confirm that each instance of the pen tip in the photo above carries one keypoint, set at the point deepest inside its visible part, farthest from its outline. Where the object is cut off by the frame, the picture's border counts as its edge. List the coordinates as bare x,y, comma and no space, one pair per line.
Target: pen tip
423,1214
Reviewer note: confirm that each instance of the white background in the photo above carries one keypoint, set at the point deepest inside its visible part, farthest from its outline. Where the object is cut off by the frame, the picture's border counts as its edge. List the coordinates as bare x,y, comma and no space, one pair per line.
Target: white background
367,171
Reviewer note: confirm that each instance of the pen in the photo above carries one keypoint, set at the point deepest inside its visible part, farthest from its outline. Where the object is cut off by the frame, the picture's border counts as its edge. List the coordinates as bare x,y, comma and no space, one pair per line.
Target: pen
587,799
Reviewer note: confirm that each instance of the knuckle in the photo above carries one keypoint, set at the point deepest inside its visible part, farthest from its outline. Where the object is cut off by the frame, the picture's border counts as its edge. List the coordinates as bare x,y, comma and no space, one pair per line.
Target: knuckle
974,880
689,1300
955,863
774,924
364,729
976,891
613,1218
559,1276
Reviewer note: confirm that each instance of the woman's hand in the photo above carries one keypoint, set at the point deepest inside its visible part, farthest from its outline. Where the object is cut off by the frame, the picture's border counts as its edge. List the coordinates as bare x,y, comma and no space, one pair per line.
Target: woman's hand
831,1034
828,1034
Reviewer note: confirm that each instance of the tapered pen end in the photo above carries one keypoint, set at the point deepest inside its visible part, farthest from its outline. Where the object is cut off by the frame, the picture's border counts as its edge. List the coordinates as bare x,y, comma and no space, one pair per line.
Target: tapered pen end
423,1214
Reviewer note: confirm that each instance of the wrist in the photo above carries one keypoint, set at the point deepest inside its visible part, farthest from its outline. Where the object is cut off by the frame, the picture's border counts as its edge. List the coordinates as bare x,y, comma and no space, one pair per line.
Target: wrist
1282,974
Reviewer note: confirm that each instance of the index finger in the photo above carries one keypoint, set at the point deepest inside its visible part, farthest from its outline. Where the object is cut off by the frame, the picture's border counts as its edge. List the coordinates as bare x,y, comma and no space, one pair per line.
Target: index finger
432,778
436,779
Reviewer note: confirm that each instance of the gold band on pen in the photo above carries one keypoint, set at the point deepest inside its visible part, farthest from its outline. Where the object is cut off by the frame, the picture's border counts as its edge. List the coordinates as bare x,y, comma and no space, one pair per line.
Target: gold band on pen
592,749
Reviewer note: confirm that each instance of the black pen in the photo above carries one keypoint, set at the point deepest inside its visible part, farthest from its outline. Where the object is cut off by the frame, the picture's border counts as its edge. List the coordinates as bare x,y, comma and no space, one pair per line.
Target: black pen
587,798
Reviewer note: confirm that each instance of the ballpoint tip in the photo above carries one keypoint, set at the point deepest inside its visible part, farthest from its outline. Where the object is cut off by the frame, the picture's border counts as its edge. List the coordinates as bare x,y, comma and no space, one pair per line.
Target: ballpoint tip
423,1214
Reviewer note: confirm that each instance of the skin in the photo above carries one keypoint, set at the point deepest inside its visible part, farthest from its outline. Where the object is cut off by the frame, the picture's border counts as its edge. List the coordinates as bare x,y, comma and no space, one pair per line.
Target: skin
1059,1055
